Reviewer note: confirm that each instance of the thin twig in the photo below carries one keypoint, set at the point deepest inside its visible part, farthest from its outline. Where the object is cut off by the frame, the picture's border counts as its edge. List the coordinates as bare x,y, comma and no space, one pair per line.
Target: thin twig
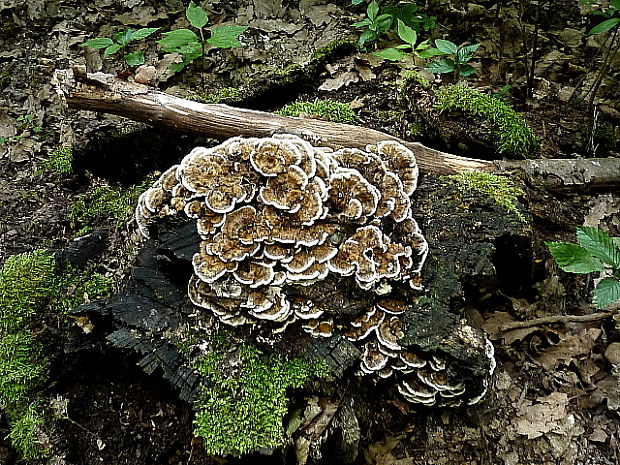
555,319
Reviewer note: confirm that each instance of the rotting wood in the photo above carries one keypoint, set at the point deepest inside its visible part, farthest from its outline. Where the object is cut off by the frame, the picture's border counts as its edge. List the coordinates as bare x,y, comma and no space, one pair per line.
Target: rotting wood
105,93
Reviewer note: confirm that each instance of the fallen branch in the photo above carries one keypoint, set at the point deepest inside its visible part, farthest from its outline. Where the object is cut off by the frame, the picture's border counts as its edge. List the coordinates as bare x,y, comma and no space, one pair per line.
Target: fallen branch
547,320
105,93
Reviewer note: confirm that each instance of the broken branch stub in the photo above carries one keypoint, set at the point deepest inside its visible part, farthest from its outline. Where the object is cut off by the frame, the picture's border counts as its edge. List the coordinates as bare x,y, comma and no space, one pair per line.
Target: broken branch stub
279,218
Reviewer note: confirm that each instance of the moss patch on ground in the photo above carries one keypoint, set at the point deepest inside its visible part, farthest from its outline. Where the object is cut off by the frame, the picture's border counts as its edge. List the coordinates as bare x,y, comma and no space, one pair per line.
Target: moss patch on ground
60,161
244,398
500,189
513,136
329,110
30,286
105,203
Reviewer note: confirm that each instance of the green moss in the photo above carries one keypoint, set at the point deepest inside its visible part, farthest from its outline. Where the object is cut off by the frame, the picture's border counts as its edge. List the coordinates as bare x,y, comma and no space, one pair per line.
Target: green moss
105,203
224,95
327,109
29,286
512,134
243,401
59,162
28,432
413,77
333,48
500,189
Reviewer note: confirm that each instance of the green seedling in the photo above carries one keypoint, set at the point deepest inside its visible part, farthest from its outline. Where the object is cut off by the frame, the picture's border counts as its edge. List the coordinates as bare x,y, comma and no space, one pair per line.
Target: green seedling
596,251
375,24
455,59
190,45
411,45
119,44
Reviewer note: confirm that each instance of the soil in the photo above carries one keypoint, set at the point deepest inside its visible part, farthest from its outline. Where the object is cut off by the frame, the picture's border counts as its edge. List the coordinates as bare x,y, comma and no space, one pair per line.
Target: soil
554,398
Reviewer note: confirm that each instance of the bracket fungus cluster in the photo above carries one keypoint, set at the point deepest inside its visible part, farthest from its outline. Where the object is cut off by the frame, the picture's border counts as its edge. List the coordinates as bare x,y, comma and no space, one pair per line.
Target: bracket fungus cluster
277,216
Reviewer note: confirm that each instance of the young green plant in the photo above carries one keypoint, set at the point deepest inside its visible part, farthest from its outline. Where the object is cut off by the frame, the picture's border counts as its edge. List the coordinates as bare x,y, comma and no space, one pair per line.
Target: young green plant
375,25
121,41
191,46
596,251
455,58
411,45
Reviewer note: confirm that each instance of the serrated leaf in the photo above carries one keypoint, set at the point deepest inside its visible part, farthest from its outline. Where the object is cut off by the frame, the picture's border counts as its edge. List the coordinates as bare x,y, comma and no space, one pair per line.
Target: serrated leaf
446,46
441,66
226,36
196,16
143,33
573,258
99,42
466,53
605,26
407,34
391,54
111,50
135,58
178,38
607,292
373,10
124,37
467,70
599,244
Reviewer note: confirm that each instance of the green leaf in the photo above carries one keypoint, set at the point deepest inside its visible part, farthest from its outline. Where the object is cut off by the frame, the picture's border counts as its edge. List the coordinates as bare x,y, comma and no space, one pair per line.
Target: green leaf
599,244
111,50
356,2
196,16
615,4
373,10
391,54
441,66
607,292
466,53
447,47
99,42
367,36
604,26
467,70
124,37
135,58
178,38
407,34
573,258
363,23
226,36
430,53
383,23
143,33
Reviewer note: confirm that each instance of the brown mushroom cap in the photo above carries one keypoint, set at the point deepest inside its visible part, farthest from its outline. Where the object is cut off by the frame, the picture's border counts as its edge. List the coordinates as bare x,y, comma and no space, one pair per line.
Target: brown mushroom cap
278,215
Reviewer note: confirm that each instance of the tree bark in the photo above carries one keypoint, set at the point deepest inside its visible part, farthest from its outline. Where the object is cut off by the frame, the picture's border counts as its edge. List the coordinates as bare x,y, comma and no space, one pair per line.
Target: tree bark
105,93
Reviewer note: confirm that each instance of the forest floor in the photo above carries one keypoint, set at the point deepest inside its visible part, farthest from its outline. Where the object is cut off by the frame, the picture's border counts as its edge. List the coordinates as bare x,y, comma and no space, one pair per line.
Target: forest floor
555,397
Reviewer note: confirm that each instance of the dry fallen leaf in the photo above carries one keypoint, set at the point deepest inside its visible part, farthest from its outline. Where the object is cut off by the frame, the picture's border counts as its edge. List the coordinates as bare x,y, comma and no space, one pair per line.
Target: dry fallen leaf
570,347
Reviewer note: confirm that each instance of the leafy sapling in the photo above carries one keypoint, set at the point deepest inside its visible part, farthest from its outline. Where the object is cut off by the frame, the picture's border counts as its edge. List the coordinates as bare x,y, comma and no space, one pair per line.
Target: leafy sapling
121,41
376,25
596,251
455,58
192,46
411,45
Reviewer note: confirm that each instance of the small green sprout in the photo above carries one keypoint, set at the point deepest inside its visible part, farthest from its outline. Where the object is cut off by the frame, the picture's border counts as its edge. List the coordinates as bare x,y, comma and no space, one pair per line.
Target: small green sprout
596,251
121,41
190,45
455,60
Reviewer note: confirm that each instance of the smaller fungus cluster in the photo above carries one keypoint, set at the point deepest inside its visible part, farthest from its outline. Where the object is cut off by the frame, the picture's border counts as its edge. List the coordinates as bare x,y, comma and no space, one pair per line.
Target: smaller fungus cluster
277,216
